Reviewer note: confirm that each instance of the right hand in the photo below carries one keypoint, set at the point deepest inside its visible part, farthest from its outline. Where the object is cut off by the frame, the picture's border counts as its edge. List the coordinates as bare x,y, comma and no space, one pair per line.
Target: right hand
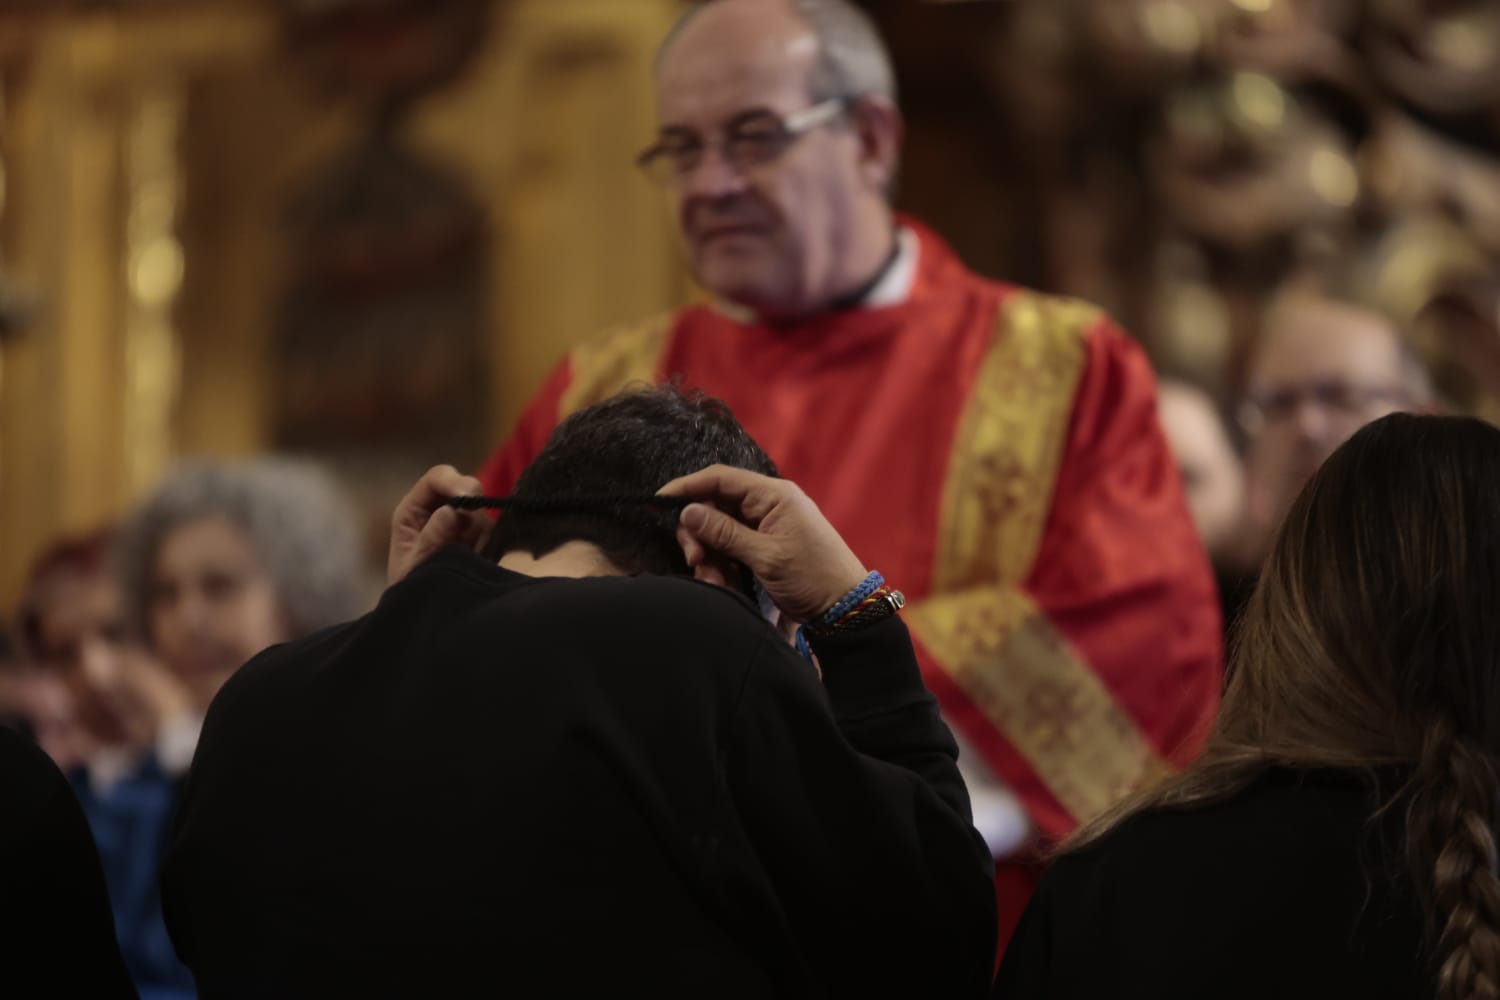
772,527
423,522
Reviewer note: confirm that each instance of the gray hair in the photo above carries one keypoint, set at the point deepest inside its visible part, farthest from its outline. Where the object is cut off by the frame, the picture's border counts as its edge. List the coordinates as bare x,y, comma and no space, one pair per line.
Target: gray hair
852,57
300,525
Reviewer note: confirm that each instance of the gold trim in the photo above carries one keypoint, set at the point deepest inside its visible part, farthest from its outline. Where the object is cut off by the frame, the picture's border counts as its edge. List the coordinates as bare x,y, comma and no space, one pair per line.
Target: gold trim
983,631
1010,442
604,366
1020,672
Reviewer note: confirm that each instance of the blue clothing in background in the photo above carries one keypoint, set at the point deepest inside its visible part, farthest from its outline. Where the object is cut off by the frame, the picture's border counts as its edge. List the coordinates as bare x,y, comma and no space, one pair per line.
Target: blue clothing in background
129,822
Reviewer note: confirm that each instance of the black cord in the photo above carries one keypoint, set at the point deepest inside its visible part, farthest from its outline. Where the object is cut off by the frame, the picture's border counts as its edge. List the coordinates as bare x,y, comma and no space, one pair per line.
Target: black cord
570,505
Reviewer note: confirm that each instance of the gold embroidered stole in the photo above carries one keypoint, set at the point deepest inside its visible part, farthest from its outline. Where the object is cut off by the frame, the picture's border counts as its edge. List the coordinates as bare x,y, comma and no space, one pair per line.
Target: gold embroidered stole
983,630
625,356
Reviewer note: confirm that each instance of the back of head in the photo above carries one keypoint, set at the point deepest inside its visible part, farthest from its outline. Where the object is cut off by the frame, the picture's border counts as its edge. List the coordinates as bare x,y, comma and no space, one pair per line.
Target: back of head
1372,645
622,450
1373,640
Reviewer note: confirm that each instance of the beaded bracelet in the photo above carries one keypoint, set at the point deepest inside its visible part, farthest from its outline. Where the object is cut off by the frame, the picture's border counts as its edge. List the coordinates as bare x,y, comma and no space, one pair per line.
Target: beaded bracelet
851,600
866,604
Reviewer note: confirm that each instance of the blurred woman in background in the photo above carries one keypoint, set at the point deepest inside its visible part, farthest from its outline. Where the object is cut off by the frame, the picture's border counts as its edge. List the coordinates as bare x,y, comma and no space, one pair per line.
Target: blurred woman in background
142,627
227,558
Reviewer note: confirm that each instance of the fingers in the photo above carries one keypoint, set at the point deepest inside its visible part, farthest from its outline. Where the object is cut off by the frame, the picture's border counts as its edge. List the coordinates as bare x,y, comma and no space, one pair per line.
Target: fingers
692,551
436,487
705,484
447,526
716,530
749,494
422,524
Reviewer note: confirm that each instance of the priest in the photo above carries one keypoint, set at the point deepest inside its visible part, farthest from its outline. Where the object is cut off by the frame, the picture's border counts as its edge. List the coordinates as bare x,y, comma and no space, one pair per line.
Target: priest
995,449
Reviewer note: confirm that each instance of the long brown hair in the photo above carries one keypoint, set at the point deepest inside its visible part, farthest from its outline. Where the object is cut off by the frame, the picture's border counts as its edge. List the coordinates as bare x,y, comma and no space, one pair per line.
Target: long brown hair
1372,644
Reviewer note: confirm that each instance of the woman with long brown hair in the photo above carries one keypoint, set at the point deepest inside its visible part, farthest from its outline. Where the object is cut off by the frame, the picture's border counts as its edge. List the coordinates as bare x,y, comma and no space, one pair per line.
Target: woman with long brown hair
1337,836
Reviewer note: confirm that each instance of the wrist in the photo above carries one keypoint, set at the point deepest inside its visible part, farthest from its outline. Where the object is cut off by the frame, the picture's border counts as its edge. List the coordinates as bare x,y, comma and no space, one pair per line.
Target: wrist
864,604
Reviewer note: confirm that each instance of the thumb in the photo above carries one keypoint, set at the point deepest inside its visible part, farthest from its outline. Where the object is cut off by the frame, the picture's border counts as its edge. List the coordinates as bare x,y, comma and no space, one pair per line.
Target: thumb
722,533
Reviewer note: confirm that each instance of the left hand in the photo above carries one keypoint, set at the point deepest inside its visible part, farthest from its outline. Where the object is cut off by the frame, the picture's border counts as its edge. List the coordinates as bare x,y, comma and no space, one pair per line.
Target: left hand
424,523
773,528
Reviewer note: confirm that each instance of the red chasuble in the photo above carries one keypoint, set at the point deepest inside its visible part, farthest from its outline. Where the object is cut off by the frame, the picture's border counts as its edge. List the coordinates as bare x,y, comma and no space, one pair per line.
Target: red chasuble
996,454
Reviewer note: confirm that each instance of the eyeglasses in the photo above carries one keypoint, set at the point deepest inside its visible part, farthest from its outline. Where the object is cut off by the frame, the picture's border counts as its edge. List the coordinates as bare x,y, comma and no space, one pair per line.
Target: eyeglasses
1273,404
750,139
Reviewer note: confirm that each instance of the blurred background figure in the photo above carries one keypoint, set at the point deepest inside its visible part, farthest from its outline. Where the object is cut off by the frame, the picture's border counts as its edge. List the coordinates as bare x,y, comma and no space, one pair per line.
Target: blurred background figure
107,713
1213,475
140,630
109,695
227,558
15,709
1210,466
56,935
1322,370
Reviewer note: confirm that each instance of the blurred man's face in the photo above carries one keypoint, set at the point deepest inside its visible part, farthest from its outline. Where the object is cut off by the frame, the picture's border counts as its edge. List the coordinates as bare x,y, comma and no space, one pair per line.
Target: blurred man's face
781,236
1211,472
1324,371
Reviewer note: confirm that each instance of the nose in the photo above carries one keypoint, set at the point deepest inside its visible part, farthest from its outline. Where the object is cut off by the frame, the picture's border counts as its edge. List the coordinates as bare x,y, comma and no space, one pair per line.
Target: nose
99,661
187,615
1311,418
714,176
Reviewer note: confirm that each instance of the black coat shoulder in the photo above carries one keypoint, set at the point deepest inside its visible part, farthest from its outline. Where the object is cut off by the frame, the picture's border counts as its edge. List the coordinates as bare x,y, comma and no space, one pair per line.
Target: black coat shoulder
57,935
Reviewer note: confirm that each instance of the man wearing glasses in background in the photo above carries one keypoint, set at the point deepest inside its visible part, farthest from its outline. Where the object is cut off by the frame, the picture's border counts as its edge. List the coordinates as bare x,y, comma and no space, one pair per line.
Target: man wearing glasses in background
1323,369
995,450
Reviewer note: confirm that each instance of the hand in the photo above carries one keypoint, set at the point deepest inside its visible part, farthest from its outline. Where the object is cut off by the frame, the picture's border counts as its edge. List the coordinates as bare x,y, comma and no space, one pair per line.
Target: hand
423,523
775,530
150,696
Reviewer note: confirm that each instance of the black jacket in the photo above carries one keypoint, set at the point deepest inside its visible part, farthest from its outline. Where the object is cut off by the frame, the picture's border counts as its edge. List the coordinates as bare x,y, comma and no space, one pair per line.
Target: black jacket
565,786
1286,890
57,937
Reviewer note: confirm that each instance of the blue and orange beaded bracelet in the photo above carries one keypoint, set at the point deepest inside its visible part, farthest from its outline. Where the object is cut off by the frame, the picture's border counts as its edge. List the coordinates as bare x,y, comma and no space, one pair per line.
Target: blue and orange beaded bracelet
866,604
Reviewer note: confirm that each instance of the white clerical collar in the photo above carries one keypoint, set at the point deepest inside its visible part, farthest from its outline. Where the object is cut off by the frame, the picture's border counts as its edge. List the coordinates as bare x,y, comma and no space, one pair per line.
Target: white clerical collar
893,288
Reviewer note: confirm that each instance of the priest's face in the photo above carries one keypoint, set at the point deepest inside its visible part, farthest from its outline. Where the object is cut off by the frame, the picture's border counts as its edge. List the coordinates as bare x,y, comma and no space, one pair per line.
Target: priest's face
781,227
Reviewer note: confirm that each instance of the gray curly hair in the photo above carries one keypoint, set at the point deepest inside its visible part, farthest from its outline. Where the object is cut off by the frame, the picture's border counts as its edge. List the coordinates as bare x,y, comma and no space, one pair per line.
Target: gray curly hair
301,527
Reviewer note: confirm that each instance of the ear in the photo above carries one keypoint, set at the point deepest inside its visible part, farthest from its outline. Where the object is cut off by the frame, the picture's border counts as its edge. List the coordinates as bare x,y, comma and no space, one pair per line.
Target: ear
879,129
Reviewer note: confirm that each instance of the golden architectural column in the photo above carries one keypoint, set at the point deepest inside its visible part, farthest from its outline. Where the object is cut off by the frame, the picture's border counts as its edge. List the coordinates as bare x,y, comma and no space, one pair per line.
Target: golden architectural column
151,152
91,129
548,126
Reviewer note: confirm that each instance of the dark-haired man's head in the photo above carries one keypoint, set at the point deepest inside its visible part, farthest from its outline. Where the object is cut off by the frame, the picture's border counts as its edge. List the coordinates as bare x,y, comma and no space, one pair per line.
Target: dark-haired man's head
623,449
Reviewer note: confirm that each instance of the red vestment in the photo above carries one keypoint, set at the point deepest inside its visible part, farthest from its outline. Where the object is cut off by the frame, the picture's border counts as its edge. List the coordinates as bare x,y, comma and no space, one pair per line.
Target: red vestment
995,453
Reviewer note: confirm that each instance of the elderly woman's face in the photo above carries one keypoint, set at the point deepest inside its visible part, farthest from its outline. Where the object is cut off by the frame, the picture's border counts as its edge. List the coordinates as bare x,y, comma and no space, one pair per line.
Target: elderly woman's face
212,606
